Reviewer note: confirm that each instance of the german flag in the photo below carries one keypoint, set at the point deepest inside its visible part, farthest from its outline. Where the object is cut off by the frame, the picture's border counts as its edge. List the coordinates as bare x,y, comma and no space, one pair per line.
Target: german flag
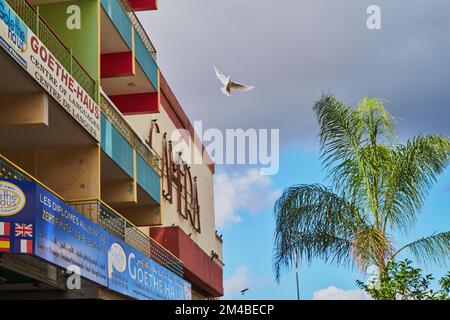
5,244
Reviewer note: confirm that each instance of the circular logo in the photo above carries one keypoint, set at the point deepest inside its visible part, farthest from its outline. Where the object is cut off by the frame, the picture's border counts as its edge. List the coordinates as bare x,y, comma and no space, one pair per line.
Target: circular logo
12,199
118,257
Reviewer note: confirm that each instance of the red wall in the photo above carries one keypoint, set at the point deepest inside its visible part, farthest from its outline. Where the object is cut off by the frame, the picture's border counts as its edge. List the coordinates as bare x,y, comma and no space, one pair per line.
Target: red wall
199,269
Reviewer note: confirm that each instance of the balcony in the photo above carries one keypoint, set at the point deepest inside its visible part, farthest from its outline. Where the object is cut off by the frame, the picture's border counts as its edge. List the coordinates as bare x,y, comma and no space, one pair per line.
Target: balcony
129,73
50,39
115,117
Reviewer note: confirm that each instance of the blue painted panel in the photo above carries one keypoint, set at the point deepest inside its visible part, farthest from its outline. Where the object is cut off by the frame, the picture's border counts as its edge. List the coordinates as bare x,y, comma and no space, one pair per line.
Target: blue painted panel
115,146
119,18
147,178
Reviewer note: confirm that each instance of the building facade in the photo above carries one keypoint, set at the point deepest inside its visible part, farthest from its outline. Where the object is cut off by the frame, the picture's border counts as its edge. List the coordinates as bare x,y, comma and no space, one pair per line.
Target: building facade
91,181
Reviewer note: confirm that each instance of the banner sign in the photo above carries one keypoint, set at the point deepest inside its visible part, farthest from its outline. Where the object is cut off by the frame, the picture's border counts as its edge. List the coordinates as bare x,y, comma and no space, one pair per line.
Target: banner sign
135,275
35,221
65,237
26,48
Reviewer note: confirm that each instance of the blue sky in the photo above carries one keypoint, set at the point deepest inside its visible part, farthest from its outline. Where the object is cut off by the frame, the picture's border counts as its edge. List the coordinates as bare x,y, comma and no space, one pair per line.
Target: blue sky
248,244
293,51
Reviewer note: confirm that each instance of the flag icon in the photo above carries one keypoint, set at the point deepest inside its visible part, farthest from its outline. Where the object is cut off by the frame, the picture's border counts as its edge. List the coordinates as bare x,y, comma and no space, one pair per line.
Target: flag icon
24,230
24,246
5,228
4,244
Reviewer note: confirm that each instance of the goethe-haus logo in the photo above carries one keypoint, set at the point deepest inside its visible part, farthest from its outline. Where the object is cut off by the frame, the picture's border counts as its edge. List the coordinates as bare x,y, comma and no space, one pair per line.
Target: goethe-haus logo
17,30
117,259
12,199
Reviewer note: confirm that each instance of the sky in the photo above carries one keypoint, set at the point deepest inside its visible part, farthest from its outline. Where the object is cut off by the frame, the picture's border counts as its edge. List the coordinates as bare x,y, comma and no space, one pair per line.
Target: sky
293,51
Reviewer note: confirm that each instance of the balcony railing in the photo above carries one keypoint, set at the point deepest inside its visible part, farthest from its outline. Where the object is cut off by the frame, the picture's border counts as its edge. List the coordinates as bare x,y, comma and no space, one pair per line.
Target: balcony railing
63,54
139,29
106,217
7,171
115,117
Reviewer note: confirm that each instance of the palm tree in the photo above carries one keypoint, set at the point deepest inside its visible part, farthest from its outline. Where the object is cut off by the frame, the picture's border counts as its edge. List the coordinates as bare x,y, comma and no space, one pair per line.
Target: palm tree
377,187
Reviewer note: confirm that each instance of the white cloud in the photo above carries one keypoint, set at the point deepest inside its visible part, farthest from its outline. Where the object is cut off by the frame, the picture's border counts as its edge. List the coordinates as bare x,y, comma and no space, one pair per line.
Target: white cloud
234,193
238,281
333,293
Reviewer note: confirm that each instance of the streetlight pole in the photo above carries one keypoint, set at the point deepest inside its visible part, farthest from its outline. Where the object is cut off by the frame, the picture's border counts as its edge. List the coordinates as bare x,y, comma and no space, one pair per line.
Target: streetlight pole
296,274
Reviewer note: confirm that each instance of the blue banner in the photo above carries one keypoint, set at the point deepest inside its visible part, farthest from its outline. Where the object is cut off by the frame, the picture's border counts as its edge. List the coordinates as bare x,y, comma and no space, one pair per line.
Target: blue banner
132,273
65,237
35,221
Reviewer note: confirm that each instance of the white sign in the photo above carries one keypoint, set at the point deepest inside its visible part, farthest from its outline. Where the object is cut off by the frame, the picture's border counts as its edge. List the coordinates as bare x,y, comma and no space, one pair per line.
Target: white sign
12,199
26,48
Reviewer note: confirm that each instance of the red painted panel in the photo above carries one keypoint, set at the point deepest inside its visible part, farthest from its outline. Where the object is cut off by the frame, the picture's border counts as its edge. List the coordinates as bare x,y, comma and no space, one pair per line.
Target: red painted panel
137,103
116,65
199,268
144,5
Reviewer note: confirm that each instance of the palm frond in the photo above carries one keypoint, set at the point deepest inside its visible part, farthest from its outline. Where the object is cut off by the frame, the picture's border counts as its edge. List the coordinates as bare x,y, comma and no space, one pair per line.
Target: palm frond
378,125
412,172
339,131
313,222
323,246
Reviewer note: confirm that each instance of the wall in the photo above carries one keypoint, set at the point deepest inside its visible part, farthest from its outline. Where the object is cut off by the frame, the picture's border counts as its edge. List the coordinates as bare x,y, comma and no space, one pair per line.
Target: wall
169,215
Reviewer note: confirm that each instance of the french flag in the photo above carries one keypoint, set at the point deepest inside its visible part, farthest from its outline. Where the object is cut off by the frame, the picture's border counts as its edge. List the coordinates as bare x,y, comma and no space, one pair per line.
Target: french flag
24,246
5,228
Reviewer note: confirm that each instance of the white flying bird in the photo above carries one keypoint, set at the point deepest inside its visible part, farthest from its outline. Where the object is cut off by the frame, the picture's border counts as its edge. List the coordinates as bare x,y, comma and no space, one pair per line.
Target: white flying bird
230,85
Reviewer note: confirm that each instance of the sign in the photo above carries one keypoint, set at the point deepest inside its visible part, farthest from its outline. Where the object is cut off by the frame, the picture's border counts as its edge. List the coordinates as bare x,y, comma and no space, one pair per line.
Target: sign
50,229
132,273
37,222
65,237
17,207
32,55
179,174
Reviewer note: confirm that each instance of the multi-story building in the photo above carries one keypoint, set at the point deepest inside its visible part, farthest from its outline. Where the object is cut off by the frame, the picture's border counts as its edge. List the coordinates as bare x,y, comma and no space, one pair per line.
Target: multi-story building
89,183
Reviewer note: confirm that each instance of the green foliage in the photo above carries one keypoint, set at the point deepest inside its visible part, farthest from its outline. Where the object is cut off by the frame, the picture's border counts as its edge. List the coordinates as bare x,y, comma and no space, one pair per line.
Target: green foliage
377,186
401,281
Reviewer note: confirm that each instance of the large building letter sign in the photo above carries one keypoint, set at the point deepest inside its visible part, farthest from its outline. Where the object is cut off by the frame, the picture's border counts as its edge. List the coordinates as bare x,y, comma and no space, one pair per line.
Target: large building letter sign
179,174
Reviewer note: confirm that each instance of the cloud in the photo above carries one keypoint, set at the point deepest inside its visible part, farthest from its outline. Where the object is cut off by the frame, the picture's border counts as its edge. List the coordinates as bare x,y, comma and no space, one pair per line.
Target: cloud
235,193
292,55
333,293
238,281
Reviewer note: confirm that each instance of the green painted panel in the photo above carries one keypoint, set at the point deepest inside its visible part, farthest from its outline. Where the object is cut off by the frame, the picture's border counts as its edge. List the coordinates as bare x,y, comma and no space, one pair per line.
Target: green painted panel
84,42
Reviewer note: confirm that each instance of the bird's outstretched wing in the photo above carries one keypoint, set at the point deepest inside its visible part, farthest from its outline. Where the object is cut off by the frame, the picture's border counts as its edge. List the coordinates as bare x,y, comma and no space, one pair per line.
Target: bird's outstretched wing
221,76
241,87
